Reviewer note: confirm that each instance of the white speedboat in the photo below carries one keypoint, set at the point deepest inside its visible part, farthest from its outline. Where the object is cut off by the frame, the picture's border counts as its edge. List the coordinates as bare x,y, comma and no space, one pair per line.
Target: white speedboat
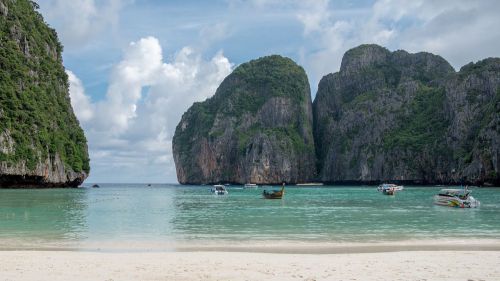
250,185
458,198
218,189
389,186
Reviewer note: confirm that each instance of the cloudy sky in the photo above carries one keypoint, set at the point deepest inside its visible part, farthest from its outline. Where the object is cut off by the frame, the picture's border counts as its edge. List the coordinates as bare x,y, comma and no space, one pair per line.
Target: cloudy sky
136,66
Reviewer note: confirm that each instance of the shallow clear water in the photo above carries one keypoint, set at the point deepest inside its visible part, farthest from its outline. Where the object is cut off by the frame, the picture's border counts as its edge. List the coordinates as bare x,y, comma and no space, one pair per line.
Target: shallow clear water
131,212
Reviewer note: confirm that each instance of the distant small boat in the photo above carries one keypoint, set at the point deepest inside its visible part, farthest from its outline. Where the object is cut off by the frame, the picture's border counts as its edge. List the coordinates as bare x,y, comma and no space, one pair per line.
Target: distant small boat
250,185
458,198
218,189
310,184
95,186
390,186
275,194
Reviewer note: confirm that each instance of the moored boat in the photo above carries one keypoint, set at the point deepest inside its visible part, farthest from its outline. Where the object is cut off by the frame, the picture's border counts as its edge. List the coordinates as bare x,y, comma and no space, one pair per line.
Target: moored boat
275,194
389,186
310,184
458,198
389,191
250,185
218,189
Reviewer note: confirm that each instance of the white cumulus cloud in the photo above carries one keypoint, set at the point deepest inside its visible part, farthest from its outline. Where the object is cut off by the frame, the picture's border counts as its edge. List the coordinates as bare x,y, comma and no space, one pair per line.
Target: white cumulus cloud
141,66
460,31
77,21
80,102
131,129
313,14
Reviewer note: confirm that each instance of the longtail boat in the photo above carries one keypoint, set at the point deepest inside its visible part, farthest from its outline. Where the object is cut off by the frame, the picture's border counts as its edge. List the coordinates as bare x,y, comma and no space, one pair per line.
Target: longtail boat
275,194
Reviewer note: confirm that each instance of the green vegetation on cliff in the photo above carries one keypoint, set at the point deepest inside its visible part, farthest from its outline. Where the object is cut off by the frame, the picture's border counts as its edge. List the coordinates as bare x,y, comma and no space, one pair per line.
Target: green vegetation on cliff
261,79
423,124
274,75
35,110
408,117
246,90
260,116
294,141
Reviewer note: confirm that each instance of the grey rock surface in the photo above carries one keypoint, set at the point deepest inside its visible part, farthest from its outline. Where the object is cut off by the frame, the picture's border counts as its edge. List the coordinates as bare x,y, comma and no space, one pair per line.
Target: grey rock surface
257,128
395,116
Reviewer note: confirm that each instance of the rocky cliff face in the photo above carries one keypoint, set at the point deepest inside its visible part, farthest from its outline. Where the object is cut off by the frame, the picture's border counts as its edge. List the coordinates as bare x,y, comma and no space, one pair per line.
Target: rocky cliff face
41,142
256,128
395,116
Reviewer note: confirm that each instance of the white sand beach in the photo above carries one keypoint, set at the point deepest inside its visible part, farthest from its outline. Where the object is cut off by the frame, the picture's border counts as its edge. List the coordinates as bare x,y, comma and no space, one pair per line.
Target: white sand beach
216,265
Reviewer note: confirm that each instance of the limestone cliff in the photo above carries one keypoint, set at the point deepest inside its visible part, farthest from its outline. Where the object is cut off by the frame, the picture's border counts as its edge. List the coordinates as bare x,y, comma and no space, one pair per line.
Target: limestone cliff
256,128
41,142
395,116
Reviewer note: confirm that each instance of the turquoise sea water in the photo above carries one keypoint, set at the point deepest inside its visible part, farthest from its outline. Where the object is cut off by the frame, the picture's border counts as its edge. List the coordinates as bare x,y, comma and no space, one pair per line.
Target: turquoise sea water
117,212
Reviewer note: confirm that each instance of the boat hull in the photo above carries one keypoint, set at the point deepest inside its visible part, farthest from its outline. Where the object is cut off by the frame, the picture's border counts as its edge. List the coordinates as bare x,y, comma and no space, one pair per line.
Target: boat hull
218,190
277,194
272,196
456,202
389,192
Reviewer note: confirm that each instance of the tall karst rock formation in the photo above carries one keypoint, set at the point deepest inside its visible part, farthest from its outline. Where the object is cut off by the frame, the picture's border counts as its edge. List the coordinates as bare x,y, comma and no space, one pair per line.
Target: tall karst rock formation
256,128
41,142
408,117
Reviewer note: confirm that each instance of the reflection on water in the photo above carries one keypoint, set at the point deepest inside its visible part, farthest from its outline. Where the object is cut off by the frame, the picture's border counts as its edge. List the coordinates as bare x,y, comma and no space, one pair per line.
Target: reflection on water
129,212
240,215
43,214
171,212
333,214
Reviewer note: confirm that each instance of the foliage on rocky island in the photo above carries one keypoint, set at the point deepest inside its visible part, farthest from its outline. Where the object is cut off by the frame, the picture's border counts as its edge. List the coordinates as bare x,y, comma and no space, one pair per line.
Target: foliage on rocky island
385,116
36,119
395,116
258,120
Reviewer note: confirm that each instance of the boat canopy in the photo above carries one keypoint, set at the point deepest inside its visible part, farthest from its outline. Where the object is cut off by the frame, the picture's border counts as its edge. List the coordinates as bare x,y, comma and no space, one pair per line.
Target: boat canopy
219,187
453,192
